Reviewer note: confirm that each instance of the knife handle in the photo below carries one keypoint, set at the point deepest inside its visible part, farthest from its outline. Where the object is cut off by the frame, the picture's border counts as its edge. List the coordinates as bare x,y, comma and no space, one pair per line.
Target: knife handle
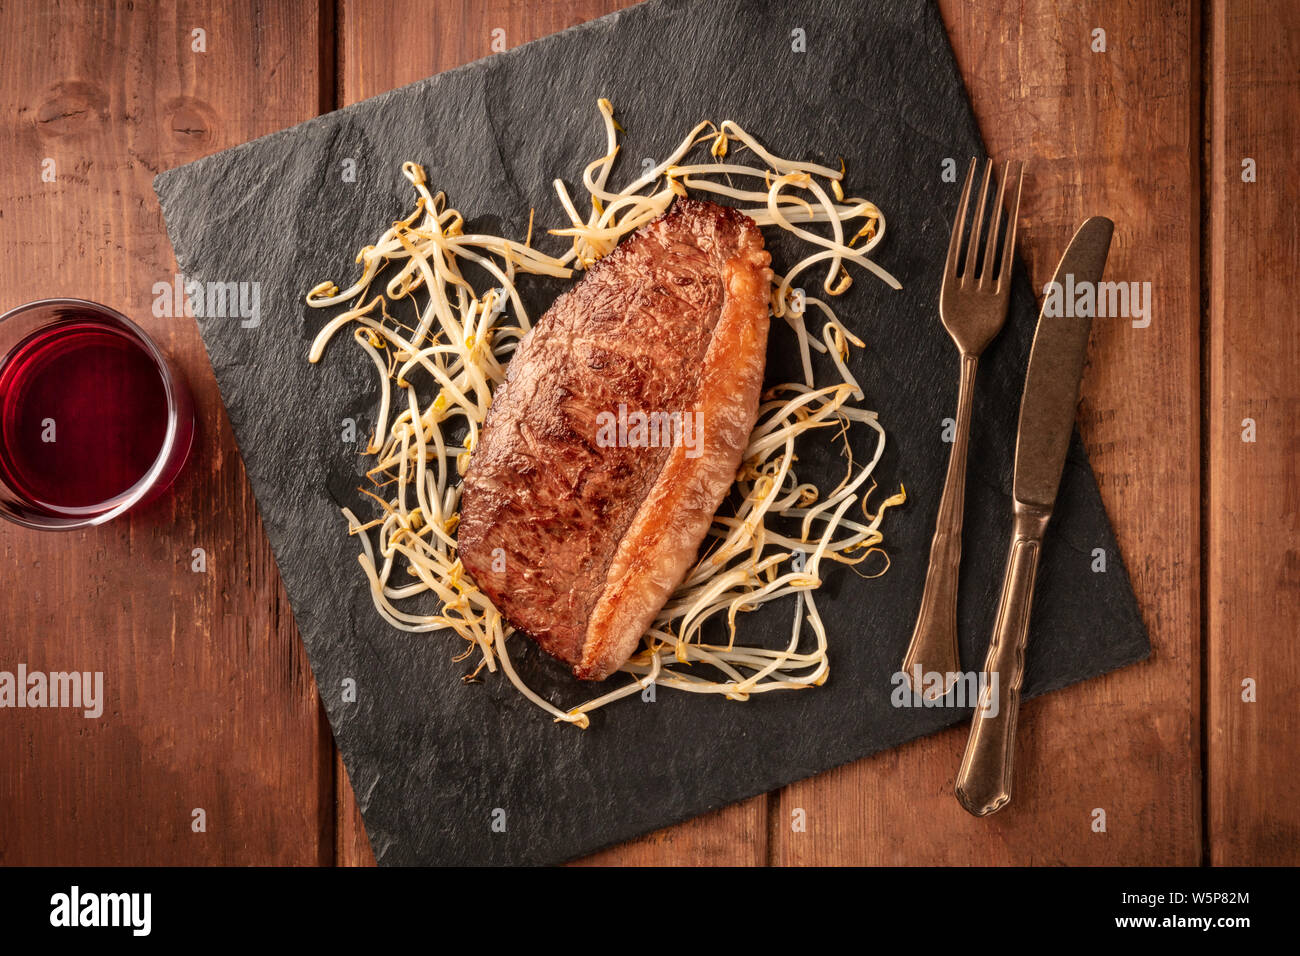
984,781
933,648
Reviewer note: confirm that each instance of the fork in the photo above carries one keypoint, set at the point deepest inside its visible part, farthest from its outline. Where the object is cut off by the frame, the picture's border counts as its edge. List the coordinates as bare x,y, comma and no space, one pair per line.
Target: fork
973,308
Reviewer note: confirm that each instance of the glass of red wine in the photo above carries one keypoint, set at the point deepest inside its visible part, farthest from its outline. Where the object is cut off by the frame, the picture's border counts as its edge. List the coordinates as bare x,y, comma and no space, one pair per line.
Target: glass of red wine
93,418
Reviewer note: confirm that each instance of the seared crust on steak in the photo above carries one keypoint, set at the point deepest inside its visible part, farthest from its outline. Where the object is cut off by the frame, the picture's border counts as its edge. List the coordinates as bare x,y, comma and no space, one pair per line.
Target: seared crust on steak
579,544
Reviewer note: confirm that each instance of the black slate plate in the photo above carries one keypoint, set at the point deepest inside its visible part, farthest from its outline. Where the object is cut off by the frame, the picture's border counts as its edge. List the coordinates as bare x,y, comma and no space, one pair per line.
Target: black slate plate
432,759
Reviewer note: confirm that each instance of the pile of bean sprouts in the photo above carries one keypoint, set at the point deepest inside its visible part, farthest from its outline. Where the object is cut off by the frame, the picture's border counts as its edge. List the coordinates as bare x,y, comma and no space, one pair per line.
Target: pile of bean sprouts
440,344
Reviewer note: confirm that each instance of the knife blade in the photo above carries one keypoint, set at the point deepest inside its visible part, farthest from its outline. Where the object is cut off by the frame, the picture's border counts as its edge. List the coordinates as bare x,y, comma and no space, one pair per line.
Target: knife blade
1047,408
1047,412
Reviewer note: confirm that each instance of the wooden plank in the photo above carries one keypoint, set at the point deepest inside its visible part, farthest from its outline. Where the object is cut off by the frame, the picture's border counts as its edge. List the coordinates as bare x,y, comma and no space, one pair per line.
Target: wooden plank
736,835
1113,133
387,44
383,44
1253,576
210,701
351,845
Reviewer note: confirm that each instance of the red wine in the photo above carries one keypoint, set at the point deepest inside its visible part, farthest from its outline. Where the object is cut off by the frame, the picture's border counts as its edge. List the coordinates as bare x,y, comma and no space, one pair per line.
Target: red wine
83,416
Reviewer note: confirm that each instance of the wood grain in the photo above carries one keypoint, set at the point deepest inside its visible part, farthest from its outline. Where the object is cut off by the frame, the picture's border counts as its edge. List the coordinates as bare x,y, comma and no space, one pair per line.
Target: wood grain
210,698
1253,504
383,44
351,845
1112,133
210,702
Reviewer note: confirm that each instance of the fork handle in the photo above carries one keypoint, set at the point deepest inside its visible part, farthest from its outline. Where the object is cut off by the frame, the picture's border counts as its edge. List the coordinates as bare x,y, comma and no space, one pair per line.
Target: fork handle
933,648
983,783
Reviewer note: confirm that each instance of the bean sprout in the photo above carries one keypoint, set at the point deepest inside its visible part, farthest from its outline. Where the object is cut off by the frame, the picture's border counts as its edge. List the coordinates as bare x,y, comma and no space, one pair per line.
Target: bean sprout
437,367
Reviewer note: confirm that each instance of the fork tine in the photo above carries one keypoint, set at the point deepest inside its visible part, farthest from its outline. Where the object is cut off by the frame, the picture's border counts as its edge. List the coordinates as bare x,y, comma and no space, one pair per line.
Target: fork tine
977,227
959,225
986,280
1009,246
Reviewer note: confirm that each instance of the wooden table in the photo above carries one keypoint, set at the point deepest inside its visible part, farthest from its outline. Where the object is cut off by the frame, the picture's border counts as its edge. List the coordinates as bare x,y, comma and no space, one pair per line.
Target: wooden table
211,702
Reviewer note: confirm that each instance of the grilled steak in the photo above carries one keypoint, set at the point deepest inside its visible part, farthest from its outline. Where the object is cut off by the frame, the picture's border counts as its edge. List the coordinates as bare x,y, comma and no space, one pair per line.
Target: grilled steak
617,433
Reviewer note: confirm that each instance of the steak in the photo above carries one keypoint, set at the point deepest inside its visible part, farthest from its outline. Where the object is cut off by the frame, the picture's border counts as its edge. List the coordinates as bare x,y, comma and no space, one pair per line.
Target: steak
617,433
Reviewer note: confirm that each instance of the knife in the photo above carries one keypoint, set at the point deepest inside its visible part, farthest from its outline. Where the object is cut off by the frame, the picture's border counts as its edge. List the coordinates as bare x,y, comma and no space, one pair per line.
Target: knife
1047,411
